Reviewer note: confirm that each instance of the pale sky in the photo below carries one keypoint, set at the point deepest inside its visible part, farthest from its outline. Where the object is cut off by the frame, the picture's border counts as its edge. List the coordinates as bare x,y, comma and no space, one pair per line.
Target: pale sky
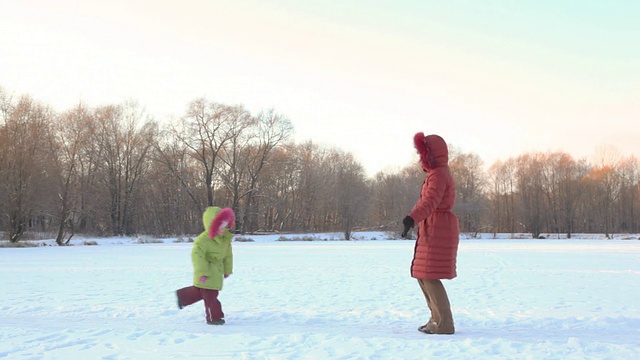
495,78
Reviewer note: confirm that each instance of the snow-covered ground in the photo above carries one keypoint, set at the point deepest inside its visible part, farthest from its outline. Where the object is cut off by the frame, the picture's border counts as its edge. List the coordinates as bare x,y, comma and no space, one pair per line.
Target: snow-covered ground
513,299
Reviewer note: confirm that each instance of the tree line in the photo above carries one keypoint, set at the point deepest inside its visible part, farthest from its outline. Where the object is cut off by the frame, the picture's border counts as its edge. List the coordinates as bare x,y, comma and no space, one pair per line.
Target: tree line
113,170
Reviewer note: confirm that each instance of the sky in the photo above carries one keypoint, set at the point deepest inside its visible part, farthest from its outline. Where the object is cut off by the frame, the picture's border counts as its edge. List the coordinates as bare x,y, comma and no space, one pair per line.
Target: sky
512,299
494,78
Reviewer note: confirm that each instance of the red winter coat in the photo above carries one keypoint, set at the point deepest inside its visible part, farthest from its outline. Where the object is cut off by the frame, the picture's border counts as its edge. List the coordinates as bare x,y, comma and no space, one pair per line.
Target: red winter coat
436,248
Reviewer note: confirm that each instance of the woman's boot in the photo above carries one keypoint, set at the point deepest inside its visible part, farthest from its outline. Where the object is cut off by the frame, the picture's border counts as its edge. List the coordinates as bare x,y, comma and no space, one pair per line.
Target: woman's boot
441,306
433,314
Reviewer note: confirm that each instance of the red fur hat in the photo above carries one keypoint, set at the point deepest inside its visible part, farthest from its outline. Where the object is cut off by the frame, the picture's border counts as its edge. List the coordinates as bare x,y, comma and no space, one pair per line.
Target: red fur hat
225,217
420,142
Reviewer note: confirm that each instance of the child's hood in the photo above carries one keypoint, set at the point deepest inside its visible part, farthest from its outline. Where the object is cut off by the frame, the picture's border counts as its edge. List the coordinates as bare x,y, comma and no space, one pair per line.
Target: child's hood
214,218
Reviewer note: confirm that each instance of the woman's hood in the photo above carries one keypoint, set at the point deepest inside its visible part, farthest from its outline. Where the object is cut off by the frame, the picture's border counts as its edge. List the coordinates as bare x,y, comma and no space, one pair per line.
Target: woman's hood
432,149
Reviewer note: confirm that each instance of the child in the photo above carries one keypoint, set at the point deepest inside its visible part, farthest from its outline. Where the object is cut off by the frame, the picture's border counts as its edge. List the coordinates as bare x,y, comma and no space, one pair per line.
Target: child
212,260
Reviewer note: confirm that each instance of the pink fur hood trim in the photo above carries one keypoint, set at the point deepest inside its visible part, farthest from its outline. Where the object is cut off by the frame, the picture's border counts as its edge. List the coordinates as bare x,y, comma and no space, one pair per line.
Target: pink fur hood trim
224,218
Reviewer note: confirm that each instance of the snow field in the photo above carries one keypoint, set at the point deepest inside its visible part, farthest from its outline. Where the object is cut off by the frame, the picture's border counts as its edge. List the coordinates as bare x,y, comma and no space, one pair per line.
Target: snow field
513,299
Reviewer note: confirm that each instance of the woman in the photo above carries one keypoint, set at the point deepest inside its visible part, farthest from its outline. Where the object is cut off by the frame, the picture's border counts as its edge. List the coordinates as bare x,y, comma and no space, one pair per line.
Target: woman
436,247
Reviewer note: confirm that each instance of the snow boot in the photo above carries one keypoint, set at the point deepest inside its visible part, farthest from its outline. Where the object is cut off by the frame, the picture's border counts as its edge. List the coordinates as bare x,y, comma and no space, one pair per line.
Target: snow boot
432,312
180,306
443,319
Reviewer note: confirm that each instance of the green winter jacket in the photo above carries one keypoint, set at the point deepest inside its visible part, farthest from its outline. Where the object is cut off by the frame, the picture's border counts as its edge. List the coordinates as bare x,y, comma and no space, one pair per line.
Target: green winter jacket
212,258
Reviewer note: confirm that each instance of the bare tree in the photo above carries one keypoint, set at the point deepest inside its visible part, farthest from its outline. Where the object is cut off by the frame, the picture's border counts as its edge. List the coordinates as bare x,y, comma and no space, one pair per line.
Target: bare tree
393,195
5,106
168,203
529,181
235,158
171,153
351,193
470,202
502,196
570,189
604,186
311,187
23,162
273,129
71,132
91,213
204,130
125,142
278,186
629,171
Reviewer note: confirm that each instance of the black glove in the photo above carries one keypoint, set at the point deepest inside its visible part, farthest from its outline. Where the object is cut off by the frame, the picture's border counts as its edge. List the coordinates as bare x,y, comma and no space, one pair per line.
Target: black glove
408,224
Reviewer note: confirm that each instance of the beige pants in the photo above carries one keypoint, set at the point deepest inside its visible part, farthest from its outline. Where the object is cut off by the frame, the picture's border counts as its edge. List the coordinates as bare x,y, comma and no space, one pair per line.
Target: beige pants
441,320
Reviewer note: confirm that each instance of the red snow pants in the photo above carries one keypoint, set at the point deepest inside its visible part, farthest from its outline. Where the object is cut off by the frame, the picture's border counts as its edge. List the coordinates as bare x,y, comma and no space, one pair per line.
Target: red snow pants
212,307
